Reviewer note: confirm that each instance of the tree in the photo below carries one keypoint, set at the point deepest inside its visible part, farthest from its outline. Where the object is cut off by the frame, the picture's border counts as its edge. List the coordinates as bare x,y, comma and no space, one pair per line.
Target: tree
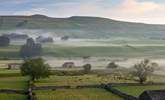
30,42
30,49
87,68
112,65
4,41
35,68
143,70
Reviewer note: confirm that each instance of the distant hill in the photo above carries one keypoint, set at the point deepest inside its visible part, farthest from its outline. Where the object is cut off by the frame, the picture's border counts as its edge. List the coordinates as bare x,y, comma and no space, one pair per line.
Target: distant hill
78,26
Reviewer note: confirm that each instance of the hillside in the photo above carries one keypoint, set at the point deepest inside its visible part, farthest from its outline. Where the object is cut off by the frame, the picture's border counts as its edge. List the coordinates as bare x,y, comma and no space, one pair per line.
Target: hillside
81,27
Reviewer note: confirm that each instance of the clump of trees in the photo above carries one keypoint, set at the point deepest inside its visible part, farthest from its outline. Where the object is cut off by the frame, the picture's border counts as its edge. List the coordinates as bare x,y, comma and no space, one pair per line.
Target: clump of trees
112,65
4,41
87,68
35,68
30,49
143,70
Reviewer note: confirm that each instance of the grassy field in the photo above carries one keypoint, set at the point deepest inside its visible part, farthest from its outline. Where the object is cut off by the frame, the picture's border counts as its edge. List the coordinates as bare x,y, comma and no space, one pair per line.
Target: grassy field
75,80
101,51
12,97
9,52
13,82
76,94
9,73
137,90
12,79
96,51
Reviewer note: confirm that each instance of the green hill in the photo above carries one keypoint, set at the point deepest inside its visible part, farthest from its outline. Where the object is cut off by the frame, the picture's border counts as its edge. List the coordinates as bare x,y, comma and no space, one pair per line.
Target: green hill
84,27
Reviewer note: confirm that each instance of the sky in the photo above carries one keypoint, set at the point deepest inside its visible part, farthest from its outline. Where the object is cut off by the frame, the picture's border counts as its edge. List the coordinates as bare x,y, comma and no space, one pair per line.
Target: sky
146,11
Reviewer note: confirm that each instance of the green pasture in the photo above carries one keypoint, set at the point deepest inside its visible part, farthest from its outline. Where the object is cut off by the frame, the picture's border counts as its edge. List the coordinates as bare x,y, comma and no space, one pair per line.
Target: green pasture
96,51
76,94
12,79
137,90
101,51
13,82
9,73
77,80
12,97
9,51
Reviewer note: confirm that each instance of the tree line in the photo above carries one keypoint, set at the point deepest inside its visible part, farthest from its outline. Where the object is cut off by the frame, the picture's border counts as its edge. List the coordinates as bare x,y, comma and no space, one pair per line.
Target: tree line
28,50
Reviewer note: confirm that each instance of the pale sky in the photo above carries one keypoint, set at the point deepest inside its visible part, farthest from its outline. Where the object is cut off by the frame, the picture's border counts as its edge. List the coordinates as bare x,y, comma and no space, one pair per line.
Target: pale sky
147,11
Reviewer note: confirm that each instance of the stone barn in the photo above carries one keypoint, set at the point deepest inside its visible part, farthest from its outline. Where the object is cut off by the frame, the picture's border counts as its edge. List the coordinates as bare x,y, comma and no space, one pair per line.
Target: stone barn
68,65
14,65
153,95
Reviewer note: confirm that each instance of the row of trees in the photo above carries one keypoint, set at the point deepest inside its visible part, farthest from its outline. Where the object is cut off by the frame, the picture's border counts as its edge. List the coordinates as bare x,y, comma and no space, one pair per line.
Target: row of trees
28,50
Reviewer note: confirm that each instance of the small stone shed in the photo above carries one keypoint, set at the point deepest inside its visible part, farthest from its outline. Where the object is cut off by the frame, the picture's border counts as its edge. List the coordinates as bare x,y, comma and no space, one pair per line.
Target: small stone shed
153,95
14,65
68,65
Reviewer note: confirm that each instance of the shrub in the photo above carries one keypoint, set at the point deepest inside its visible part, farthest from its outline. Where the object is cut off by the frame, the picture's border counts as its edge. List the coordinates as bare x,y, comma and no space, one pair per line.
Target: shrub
87,68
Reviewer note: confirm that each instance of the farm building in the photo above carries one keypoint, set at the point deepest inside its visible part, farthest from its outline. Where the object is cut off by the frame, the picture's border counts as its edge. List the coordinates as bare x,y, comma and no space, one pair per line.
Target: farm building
14,65
153,95
42,39
68,65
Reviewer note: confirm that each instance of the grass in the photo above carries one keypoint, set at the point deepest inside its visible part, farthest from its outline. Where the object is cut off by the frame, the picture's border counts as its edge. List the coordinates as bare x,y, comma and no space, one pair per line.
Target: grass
6,71
75,80
76,94
98,51
9,73
137,90
12,79
157,79
113,51
18,82
12,97
9,52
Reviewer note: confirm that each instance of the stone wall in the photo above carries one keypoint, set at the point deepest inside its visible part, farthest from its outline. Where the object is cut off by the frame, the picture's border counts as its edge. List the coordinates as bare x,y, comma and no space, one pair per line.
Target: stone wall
119,93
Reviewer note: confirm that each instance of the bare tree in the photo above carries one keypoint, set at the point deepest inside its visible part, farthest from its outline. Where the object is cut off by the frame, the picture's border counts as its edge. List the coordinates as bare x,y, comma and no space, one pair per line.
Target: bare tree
143,70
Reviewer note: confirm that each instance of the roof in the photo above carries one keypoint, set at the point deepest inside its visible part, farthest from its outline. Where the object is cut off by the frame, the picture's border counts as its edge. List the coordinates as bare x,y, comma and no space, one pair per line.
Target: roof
153,95
69,63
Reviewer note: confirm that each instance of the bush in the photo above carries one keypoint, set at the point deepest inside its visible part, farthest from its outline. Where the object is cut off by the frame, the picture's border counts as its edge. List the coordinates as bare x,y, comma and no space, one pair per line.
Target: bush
87,68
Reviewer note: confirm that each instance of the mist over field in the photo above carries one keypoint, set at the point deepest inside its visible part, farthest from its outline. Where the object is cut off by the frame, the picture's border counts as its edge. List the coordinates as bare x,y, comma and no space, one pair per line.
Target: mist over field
103,40
82,50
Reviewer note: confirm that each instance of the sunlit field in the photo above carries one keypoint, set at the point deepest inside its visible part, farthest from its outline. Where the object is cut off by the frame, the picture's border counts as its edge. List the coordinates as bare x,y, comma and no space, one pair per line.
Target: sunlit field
137,90
76,94
12,97
12,79
77,80
13,83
